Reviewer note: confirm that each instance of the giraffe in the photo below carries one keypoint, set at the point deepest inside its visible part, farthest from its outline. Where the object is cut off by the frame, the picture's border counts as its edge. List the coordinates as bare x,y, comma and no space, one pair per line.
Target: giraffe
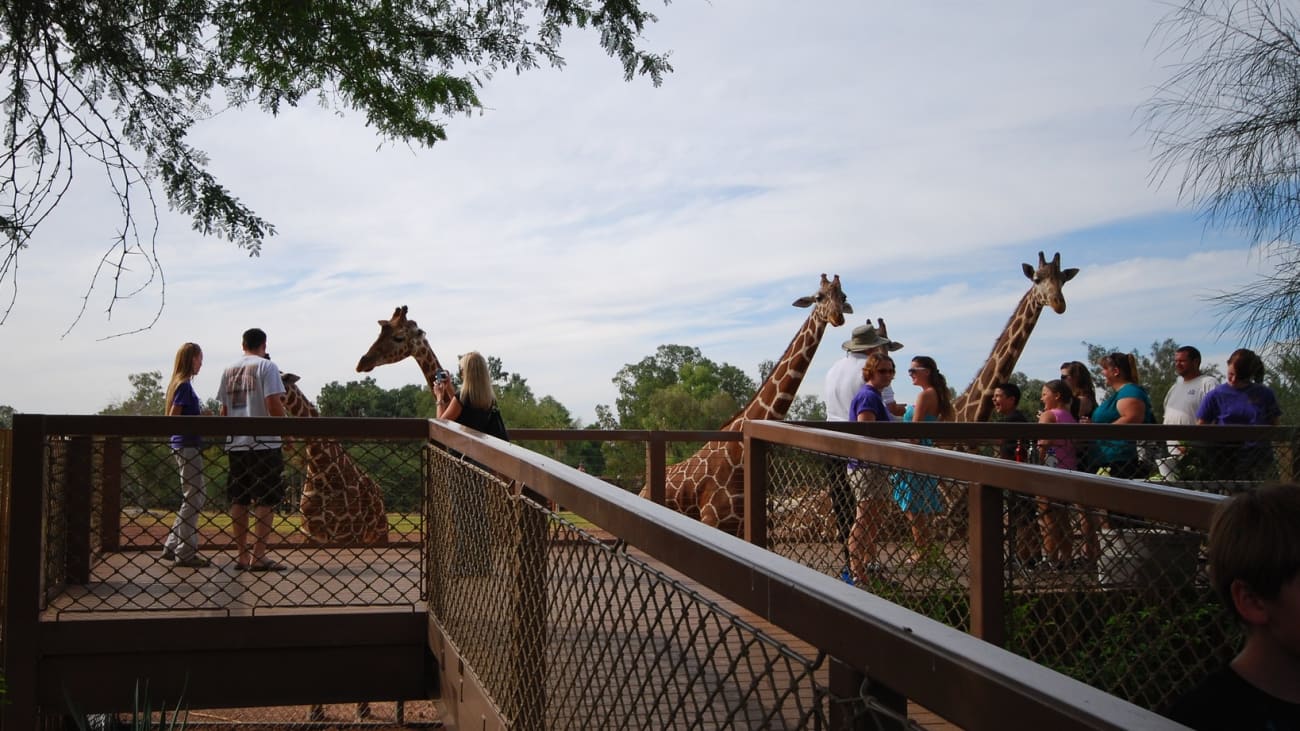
710,484
340,502
400,338
1048,279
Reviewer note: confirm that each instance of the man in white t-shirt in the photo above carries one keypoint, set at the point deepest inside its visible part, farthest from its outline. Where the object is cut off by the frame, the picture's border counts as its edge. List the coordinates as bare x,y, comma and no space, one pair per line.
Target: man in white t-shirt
843,381
1182,401
253,387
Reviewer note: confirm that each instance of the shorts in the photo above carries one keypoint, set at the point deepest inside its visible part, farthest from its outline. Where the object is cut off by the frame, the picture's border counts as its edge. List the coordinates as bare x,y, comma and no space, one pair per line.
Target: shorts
867,485
256,477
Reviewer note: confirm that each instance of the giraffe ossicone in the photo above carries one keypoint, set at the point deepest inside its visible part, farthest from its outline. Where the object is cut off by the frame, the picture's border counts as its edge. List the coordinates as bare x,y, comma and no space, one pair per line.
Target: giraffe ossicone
1045,291
399,339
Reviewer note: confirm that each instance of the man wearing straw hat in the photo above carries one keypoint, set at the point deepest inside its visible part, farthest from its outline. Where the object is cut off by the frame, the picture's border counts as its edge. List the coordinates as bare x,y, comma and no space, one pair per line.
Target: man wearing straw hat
845,377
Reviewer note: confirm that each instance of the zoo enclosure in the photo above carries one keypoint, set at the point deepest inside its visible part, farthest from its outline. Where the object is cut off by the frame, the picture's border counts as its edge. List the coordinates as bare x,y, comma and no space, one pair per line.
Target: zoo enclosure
673,553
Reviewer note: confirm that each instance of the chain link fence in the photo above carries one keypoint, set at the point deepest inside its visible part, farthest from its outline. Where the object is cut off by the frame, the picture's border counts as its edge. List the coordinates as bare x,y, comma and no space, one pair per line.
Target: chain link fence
345,532
1120,602
563,630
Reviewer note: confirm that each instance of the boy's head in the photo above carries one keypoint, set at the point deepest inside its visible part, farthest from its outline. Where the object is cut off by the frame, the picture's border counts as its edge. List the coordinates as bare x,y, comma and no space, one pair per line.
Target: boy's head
1255,545
1006,398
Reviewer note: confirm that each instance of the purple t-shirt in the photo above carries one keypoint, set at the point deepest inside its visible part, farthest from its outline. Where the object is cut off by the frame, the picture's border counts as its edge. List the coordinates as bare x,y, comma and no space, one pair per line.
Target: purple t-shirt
190,406
1253,405
868,399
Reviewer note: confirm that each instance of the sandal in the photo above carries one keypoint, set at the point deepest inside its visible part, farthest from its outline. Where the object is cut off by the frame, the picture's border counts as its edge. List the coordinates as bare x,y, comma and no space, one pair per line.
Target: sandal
265,564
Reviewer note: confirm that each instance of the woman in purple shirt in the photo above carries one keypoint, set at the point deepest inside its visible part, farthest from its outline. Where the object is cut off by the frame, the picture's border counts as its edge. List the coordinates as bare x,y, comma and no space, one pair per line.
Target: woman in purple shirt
182,543
869,486
1242,400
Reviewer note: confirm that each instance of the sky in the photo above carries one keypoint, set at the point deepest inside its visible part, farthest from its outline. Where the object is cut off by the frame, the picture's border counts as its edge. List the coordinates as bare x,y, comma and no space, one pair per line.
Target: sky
922,151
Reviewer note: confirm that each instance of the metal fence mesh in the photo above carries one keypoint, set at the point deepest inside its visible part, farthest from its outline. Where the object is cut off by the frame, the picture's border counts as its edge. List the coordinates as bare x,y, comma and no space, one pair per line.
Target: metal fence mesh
918,558
563,630
1118,602
111,503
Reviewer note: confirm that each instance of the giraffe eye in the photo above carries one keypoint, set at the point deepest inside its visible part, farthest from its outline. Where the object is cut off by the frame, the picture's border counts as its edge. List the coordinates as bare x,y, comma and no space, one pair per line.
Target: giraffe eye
398,338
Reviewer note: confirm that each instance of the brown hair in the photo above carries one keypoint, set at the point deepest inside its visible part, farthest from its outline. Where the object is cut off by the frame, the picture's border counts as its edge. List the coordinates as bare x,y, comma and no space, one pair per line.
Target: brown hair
1253,538
1246,363
1126,363
1058,387
874,361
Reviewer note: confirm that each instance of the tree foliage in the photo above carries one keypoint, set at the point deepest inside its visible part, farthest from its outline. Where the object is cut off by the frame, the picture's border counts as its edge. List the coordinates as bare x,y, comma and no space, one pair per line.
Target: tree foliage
6,416
366,398
148,392
682,374
120,86
1224,128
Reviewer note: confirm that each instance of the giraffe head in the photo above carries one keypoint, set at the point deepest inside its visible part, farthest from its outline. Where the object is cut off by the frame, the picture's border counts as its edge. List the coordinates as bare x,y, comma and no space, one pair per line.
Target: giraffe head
1048,279
295,401
398,339
830,303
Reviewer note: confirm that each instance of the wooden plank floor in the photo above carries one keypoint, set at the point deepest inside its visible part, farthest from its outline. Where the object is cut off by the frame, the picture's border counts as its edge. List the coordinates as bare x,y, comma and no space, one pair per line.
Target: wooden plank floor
320,580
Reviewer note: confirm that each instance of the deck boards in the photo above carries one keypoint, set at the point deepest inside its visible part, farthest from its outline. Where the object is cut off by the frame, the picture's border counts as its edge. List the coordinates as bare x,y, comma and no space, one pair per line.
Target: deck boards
333,580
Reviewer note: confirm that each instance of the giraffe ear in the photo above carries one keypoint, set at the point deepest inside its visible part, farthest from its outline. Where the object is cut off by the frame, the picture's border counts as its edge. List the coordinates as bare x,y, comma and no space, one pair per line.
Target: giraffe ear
846,308
1068,274
1029,271
805,301
288,378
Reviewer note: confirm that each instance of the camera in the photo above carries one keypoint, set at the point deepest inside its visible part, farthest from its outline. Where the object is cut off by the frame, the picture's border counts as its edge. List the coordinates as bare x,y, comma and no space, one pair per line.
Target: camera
440,377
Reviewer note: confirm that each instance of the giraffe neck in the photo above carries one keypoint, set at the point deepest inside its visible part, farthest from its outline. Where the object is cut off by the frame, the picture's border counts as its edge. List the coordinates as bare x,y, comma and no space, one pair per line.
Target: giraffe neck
428,361
974,404
774,396
296,404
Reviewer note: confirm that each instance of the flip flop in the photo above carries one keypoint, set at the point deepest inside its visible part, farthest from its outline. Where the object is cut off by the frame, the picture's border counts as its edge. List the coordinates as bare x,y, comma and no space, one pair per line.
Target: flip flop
266,564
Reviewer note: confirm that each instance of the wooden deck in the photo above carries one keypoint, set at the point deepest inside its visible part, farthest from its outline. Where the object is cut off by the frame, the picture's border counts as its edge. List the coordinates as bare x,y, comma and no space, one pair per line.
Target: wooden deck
125,584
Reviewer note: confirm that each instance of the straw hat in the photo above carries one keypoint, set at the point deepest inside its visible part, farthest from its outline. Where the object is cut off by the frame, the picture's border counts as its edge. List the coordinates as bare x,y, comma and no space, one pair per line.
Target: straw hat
866,338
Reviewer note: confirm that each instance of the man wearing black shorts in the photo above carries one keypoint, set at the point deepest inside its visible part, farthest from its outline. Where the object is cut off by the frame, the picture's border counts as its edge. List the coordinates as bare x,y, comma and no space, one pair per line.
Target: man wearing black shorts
252,387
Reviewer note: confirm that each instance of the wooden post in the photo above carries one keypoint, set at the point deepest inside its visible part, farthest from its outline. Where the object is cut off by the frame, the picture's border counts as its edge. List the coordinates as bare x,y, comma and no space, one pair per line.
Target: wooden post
756,454
78,477
656,471
530,609
110,508
987,603
23,582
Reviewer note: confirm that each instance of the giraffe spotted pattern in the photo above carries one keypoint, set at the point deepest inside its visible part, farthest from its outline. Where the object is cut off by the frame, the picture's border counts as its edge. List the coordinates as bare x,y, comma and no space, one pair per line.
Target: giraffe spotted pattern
340,503
710,484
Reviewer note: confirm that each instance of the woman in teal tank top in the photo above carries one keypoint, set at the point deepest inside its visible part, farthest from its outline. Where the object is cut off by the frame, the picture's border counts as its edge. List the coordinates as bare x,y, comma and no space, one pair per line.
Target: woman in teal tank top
916,495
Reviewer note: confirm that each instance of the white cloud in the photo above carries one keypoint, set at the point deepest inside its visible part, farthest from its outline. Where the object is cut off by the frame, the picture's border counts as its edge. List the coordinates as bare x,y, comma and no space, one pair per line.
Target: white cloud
579,222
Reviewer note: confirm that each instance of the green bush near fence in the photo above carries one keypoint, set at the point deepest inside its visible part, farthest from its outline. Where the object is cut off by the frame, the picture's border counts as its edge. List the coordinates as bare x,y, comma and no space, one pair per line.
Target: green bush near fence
1147,653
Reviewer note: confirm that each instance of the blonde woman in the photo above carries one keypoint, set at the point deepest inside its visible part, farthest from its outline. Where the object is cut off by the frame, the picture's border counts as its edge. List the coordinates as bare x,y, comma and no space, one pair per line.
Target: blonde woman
475,405
182,545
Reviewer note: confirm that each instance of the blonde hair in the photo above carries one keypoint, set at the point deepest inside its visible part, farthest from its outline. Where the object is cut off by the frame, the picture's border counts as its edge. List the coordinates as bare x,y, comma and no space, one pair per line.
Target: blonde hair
475,381
182,370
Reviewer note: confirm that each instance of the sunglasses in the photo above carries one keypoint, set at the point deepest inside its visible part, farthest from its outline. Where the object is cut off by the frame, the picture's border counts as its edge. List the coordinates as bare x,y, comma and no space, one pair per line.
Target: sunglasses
914,371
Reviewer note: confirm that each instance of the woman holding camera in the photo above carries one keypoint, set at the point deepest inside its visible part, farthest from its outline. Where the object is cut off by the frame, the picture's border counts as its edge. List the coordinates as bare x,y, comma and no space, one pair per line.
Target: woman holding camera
476,404
474,407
